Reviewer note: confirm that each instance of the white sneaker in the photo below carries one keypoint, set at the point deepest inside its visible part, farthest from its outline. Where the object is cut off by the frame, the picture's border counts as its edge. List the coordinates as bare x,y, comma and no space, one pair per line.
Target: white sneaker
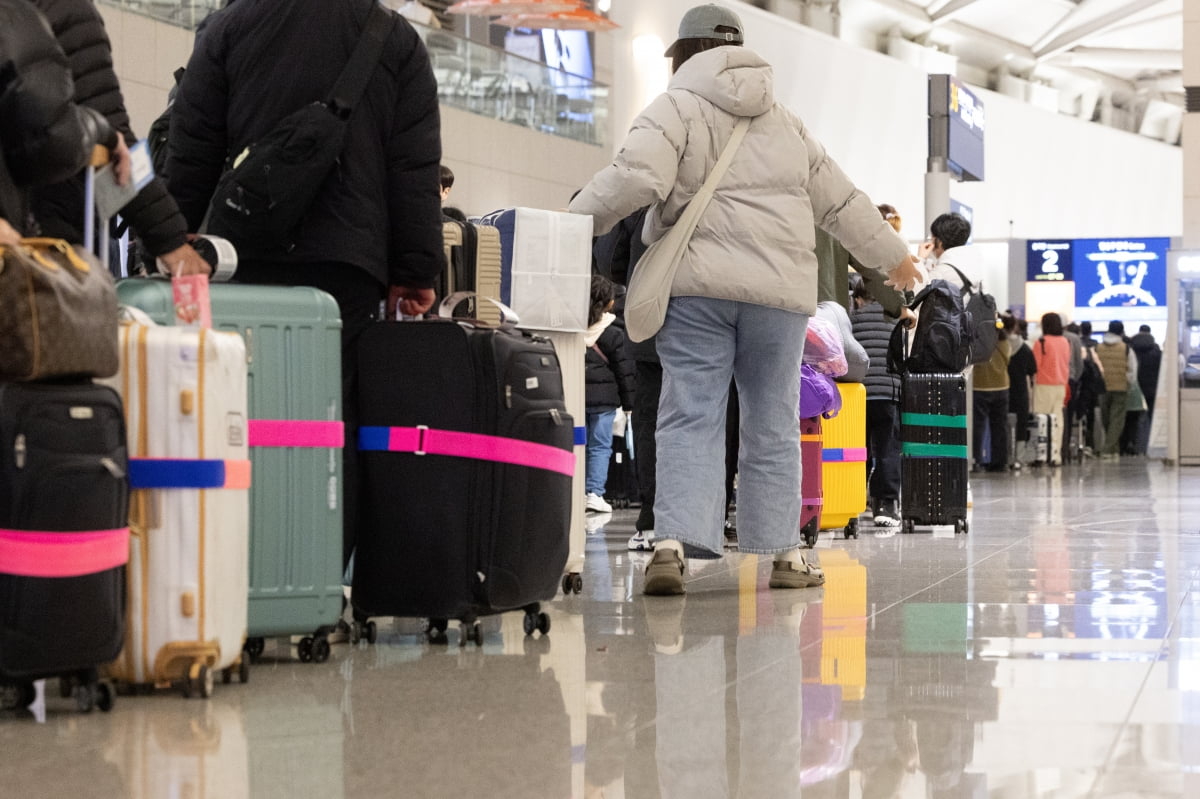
885,520
596,503
642,541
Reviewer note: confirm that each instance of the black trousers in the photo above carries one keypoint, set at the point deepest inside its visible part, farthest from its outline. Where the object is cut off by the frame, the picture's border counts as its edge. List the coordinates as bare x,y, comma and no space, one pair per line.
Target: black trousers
358,296
647,390
991,413
883,451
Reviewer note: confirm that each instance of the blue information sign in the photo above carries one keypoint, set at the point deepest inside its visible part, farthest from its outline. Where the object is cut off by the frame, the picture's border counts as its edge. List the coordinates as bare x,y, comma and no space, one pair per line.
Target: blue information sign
1049,261
1121,273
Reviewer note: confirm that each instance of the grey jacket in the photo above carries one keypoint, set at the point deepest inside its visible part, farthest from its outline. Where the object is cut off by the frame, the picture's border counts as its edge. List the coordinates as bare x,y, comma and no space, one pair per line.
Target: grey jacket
754,243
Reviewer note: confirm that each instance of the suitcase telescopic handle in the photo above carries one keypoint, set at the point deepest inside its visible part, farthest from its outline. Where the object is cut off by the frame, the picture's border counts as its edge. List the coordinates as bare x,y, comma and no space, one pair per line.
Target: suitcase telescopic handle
508,317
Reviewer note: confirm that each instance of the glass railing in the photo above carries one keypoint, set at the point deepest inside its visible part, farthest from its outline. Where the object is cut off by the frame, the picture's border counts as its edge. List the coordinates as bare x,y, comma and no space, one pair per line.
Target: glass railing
470,75
494,83
184,13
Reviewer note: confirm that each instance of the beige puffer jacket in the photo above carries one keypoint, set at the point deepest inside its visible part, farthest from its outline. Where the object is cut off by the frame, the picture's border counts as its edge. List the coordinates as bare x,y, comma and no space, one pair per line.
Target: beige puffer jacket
755,241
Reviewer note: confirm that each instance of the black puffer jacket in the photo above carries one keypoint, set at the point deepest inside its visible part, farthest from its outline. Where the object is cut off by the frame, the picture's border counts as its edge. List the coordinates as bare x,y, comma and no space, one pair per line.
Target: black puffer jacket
615,254
258,61
609,373
152,214
44,137
873,329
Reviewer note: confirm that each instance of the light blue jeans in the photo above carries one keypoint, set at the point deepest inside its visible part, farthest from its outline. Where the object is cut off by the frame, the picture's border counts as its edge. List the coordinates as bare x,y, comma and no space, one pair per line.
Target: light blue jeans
599,450
703,343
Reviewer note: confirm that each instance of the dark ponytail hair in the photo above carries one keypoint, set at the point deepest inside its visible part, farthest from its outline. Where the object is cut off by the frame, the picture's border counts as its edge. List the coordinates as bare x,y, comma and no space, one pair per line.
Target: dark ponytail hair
602,296
686,48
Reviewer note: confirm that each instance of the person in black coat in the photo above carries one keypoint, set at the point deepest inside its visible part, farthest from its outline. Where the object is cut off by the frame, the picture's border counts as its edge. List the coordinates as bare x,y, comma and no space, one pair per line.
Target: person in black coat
44,136
152,214
873,328
609,385
1021,368
374,230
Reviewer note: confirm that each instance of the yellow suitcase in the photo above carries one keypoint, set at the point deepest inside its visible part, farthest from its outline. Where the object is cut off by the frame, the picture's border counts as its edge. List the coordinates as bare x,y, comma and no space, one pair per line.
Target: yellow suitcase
844,462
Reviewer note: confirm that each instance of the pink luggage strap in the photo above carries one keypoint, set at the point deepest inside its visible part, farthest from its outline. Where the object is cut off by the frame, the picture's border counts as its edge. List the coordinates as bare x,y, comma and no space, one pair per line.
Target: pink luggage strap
844,455
36,553
295,433
422,440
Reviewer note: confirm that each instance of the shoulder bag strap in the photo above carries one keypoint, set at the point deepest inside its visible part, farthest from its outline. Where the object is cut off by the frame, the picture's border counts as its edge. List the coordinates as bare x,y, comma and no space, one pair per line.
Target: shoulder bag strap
690,217
967,285
354,78
722,166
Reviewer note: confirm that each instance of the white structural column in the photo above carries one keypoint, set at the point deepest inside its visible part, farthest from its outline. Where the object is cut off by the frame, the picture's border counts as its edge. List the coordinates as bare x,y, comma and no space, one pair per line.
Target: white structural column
1191,125
1191,224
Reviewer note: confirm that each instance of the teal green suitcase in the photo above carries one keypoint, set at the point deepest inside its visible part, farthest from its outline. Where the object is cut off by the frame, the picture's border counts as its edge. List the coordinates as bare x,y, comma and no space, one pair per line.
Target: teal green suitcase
293,349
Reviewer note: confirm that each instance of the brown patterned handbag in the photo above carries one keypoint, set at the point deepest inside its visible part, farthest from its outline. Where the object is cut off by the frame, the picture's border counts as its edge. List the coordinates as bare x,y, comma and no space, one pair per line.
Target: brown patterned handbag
58,313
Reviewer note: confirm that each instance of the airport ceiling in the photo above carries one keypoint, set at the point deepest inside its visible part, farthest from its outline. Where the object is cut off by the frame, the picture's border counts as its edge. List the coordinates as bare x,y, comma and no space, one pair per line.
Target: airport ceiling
1133,44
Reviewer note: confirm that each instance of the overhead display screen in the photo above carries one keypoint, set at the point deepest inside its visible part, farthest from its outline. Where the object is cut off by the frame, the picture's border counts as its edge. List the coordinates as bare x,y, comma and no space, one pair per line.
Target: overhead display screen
1121,273
957,123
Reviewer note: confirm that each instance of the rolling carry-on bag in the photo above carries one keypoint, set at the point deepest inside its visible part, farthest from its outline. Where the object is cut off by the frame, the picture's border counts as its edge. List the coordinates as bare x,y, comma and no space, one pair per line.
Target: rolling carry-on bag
64,538
811,446
933,451
1041,430
844,462
185,412
467,463
473,264
293,355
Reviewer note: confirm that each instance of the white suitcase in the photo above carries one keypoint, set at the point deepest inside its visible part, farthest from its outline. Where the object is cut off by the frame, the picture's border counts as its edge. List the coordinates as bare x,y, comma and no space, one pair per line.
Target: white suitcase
185,404
1041,433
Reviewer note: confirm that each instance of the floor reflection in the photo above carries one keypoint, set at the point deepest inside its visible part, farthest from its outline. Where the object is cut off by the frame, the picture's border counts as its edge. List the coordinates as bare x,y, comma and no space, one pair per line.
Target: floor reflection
1053,652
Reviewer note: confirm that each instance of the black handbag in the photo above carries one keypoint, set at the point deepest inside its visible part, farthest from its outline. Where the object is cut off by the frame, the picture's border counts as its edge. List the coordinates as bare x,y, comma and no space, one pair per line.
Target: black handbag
267,189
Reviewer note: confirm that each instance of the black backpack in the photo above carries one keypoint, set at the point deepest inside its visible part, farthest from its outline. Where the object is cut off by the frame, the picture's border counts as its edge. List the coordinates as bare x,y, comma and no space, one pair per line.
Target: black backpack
941,342
982,308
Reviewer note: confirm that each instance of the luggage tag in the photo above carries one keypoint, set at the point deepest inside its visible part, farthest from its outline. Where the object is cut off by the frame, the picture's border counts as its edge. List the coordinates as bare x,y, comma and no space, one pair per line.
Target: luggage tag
192,305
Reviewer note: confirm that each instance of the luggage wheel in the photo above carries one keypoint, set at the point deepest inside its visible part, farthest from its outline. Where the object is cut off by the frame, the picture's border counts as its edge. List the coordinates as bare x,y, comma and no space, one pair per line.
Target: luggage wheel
536,621
909,527
361,630
572,583
241,669
254,647
961,526
200,681
17,695
313,649
94,694
470,630
435,631
810,531
851,530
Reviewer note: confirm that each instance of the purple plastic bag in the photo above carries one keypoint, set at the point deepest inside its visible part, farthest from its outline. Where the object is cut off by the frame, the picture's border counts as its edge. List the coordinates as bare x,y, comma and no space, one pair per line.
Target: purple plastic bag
818,394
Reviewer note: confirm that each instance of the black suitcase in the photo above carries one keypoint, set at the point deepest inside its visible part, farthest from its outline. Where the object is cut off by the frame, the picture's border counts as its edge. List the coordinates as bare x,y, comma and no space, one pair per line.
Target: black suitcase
933,454
64,540
458,526
621,490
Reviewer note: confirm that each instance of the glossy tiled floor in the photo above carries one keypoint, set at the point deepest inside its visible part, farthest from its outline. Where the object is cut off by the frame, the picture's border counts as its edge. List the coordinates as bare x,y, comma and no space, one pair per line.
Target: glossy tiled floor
1053,652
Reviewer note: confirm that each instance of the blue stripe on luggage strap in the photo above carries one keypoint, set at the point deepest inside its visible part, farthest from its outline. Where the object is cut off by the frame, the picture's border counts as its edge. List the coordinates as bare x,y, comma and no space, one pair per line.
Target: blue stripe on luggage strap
163,473
581,436
373,439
